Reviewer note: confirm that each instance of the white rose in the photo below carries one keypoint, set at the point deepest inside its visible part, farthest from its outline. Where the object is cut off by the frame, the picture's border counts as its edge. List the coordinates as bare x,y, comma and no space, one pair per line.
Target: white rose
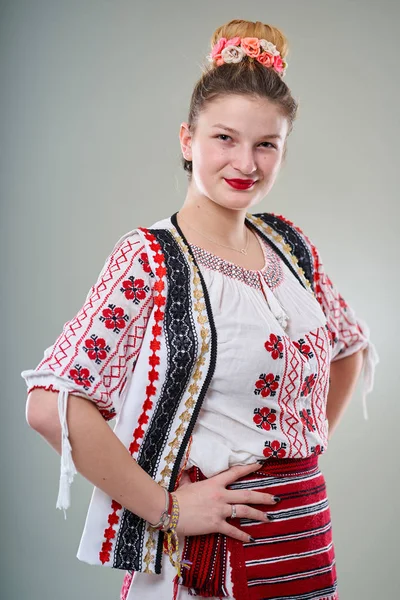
269,47
232,54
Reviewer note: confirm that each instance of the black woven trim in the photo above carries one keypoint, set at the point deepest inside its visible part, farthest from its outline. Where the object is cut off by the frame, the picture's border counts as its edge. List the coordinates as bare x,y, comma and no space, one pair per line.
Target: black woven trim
203,391
213,361
182,348
292,237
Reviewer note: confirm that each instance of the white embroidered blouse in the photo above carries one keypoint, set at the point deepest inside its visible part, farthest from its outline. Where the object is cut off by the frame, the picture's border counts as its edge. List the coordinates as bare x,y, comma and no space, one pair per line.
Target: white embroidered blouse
267,396
268,393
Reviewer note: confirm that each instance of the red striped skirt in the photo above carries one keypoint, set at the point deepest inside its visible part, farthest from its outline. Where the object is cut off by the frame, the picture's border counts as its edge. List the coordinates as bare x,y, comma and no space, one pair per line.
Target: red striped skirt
292,557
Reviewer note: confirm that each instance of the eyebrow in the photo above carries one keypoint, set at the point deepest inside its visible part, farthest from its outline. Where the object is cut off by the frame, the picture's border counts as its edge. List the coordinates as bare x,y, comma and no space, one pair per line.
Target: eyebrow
268,135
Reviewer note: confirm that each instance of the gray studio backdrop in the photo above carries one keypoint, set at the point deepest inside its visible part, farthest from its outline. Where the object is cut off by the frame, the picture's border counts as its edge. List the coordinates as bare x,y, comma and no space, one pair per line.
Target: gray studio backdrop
92,95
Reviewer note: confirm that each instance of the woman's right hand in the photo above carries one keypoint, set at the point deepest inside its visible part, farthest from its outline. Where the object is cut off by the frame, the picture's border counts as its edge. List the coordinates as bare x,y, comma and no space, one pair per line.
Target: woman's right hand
205,505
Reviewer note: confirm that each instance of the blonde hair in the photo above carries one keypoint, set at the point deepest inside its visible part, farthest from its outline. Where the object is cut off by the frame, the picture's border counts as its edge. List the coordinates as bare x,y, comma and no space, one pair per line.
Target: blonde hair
246,78
240,28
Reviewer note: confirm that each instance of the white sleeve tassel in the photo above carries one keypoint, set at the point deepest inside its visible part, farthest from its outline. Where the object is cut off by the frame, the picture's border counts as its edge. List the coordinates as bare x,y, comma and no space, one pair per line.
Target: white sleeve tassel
371,359
67,470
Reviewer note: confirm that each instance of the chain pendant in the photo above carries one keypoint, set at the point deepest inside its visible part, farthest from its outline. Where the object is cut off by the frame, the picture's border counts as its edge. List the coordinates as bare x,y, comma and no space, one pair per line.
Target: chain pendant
243,251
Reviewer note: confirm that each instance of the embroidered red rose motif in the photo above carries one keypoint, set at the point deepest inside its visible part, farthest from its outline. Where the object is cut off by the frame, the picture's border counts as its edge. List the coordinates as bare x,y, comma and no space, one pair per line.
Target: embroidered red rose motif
96,348
308,384
317,449
304,348
274,346
114,318
332,335
265,418
267,385
342,303
81,376
134,289
144,261
275,449
307,419
107,414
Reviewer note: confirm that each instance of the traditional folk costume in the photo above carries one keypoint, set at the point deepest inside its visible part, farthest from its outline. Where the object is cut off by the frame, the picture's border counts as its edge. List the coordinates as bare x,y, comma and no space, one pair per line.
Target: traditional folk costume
206,365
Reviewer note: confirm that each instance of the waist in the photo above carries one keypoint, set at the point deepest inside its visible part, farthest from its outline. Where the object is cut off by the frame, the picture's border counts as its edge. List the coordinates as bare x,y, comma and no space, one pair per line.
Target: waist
273,467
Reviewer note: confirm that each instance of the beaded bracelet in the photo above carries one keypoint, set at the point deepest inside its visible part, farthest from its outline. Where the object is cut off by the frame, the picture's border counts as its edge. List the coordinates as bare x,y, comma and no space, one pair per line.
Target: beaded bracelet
167,523
172,537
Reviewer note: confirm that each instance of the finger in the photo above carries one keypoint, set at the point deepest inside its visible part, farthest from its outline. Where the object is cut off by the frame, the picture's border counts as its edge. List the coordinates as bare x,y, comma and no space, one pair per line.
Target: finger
247,512
234,473
235,533
250,497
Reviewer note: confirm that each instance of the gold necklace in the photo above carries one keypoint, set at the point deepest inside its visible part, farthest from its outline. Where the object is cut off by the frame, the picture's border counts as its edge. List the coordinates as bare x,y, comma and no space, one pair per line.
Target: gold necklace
242,250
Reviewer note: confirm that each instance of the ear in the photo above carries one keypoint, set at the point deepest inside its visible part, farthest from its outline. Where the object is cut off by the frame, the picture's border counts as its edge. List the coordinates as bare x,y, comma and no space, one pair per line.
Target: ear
185,138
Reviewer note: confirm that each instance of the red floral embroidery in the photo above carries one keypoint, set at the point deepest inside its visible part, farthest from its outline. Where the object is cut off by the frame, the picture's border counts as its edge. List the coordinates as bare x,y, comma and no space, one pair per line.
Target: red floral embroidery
81,376
144,261
304,348
96,348
265,418
134,289
267,385
342,303
109,533
107,414
307,419
275,346
317,449
308,384
332,335
114,318
275,449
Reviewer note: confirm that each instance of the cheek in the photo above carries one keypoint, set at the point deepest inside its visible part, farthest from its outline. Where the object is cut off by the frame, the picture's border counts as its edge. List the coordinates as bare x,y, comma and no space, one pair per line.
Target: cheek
272,164
210,158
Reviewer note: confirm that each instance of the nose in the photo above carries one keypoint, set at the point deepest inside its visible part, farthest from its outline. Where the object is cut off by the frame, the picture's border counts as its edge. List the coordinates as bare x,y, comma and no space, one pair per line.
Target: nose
244,162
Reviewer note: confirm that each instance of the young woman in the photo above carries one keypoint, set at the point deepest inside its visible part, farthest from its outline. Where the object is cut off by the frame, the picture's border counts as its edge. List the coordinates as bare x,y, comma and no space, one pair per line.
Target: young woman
225,352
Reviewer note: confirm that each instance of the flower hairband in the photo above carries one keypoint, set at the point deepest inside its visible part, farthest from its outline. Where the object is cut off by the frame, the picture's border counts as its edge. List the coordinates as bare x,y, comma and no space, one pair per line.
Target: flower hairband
235,49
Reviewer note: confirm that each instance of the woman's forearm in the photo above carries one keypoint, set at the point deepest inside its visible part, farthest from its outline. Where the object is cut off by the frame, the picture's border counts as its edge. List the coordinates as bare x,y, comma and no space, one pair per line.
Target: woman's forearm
344,374
97,452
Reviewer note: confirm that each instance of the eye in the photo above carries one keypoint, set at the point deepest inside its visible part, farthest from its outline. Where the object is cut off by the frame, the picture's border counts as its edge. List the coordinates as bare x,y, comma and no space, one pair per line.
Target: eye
224,135
269,145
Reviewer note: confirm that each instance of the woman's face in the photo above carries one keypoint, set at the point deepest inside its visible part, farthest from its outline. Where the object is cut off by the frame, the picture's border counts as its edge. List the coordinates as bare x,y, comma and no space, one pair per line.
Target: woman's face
254,150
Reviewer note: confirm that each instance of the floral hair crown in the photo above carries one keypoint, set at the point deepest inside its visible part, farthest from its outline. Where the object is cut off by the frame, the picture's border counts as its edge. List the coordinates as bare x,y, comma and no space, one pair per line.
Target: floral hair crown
235,49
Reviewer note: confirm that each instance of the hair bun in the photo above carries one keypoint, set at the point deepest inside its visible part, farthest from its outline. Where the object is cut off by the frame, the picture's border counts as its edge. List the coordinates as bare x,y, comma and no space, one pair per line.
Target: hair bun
241,28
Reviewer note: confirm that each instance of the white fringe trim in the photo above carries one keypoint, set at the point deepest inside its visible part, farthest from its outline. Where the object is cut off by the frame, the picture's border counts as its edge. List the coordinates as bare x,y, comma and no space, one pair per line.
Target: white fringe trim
67,467
371,359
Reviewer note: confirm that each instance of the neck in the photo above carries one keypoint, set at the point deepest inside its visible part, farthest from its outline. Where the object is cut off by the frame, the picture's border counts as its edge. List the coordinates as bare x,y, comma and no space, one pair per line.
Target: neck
226,226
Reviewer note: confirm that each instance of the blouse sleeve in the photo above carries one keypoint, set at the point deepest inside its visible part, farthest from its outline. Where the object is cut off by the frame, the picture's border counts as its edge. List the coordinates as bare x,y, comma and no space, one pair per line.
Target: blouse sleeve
96,352
348,332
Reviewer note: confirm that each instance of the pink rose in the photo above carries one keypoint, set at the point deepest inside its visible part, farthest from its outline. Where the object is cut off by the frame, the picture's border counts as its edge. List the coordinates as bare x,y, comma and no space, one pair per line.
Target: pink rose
278,64
235,41
266,59
218,47
219,60
251,46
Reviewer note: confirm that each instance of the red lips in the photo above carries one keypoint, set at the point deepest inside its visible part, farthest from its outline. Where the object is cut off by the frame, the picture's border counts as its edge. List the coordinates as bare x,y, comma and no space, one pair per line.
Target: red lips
240,184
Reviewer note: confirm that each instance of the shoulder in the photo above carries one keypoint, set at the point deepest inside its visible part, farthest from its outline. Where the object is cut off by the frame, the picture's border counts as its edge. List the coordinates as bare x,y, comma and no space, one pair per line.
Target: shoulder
140,237
285,227
296,240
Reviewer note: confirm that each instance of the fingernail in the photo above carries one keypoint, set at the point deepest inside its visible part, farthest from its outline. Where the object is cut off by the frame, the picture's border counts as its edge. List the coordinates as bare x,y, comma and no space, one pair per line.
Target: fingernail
262,462
276,499
251,539
269,516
